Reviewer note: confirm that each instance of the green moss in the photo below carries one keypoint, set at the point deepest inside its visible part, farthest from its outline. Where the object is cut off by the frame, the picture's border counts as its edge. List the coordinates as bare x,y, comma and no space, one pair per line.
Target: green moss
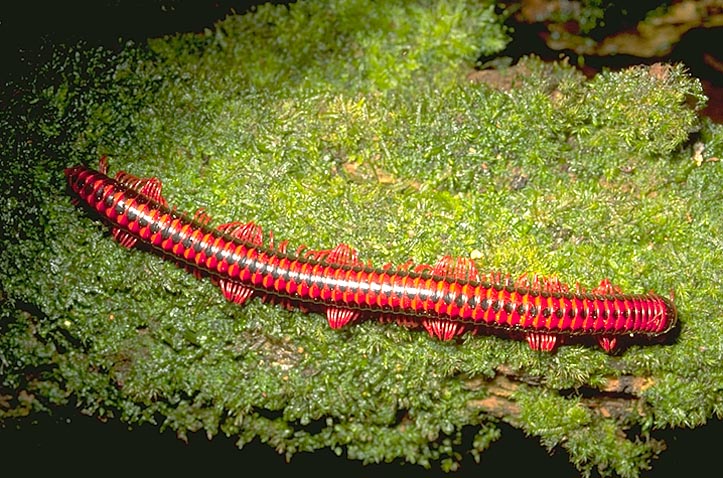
299,119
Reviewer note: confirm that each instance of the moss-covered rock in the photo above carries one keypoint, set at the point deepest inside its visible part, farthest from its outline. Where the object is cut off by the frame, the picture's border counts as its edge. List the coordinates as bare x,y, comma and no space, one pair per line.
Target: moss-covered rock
349,121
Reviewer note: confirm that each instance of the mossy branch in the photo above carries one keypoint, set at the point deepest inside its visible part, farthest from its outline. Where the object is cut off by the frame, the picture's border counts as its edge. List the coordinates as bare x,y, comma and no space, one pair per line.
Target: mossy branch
364,123
620,398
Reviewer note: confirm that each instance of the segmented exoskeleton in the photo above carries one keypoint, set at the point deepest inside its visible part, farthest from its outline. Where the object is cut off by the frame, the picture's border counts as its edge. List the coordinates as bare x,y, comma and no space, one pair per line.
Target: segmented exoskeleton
446,299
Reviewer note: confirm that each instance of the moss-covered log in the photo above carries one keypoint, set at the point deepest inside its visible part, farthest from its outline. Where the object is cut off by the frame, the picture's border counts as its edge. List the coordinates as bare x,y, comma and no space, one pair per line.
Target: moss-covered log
350,121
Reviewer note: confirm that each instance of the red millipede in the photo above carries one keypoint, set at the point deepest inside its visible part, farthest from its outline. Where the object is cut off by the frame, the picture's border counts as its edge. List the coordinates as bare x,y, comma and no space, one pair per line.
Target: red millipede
446,299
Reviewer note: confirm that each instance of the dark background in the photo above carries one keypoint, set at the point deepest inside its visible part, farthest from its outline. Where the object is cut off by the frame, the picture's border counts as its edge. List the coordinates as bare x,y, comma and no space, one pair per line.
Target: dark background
68,441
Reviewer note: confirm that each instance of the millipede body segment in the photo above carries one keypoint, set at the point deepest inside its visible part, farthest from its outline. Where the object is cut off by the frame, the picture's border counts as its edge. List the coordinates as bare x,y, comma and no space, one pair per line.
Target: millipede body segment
446,299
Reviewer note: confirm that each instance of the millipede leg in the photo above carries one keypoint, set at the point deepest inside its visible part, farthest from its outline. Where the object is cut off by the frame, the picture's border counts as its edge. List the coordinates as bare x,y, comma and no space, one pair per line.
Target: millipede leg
443,329
608,343
338,317
540,341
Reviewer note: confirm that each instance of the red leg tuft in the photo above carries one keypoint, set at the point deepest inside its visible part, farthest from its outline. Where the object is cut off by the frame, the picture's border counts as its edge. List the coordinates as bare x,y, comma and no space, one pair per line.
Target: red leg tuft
235,292
103,165
338,318
606,287
608,343
460,268
124,238
443,329
541,341
248,232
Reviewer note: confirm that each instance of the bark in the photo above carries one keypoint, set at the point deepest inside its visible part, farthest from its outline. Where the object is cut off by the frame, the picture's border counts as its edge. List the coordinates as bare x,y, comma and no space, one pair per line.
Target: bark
620,397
